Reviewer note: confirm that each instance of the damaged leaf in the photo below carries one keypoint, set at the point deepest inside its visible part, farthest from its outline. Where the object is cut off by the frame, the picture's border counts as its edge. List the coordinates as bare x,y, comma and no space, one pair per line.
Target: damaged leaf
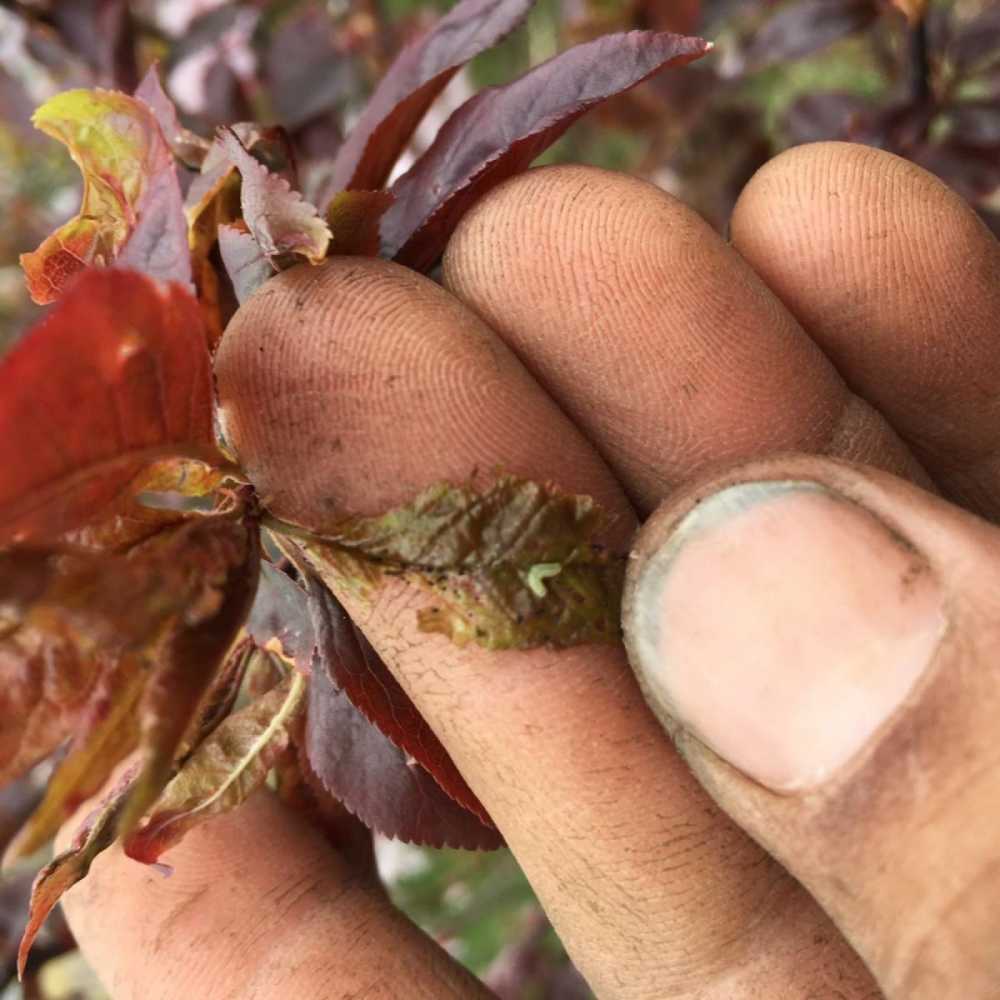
222,564
132,210
514,566
116,377
222,773
64,871
497,134
279,620
150,626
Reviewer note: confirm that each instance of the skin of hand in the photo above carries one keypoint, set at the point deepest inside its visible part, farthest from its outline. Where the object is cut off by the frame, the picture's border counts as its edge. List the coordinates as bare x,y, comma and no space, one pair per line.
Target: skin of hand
807,418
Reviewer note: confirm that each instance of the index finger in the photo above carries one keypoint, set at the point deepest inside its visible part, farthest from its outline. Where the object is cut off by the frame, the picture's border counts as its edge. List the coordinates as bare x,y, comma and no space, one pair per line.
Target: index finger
259,905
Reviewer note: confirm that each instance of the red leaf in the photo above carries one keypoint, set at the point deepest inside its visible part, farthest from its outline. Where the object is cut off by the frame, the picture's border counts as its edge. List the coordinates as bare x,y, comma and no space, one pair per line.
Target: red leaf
362,768
359,672
116,377
501,130
419,73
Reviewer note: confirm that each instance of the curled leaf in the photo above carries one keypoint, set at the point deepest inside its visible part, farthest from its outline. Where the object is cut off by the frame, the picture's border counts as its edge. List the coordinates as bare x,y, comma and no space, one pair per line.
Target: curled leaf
68,868
222,773
108,733
419,73
282,222
116,377
132,210
514,566
221,565
497,134
213,200
152,625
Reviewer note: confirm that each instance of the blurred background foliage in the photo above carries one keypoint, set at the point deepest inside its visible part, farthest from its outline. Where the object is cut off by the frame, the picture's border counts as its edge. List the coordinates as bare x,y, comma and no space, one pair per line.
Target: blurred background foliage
919,78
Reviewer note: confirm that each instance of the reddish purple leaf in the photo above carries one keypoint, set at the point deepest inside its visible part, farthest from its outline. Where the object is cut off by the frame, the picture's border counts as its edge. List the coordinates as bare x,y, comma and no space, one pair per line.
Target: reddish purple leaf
281,221
501,130
101,32
374,779
359,718
976,46
976,123
158,245
418,75
358,671
187,146
279,619
305,68
246,264
971,171
800,28
824,115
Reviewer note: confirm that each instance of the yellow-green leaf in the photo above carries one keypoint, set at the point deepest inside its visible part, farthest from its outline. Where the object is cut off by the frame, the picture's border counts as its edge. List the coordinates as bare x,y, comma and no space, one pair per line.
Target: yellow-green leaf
116,142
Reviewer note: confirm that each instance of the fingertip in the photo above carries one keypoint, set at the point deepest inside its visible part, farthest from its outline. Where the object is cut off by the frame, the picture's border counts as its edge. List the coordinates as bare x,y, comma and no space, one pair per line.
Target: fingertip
895,278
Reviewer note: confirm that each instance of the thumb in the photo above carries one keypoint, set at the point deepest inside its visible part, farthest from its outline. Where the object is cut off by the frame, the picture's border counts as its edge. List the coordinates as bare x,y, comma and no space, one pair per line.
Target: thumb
823,643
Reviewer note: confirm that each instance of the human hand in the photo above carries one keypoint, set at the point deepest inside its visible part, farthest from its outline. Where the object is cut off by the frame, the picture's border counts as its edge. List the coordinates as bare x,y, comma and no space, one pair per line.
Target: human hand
836,643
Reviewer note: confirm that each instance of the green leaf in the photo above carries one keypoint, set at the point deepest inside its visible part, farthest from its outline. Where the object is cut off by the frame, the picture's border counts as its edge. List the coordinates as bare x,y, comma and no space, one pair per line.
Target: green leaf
514,566
222,773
